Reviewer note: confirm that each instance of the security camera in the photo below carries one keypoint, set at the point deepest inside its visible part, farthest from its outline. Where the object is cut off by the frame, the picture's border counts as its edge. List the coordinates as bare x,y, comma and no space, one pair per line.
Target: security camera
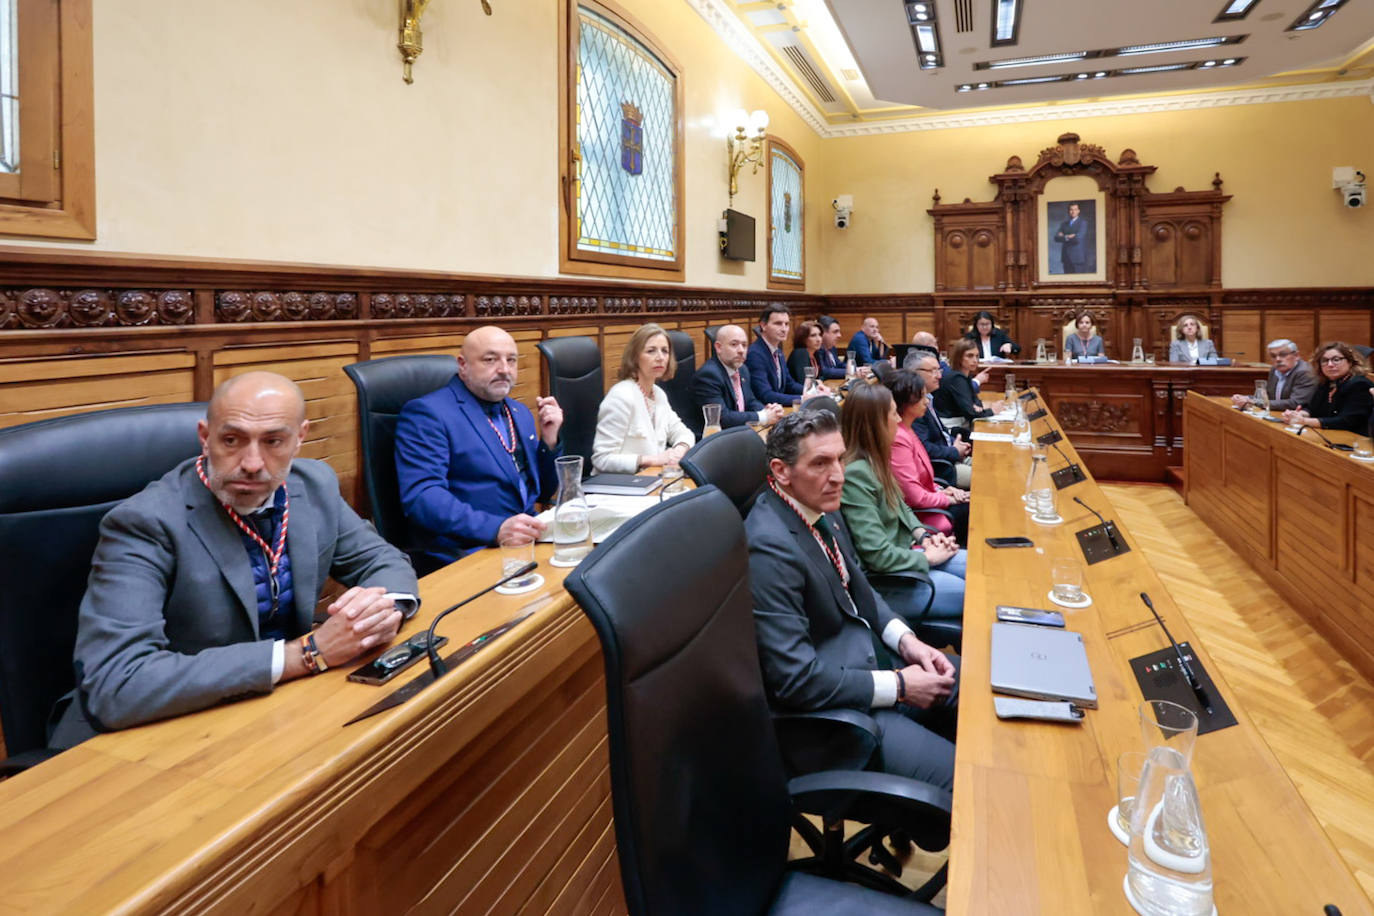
1350,182
844,210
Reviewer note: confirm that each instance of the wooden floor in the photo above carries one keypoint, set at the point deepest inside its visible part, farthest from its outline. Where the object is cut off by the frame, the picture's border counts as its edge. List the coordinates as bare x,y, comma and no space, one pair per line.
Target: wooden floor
1313,709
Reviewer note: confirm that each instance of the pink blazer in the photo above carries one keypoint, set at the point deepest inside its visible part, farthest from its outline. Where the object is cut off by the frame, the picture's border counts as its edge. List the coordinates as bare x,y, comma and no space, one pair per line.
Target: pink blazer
915,475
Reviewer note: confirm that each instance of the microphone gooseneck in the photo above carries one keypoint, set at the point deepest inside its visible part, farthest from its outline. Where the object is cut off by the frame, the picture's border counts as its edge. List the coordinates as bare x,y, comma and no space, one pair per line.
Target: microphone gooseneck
1183,665
436,664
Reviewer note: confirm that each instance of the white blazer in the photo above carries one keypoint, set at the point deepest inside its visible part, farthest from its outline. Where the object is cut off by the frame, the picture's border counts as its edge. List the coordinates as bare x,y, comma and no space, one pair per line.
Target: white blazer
624,430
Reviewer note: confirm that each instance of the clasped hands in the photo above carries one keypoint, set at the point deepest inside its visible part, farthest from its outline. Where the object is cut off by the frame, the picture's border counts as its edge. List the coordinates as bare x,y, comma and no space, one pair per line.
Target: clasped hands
360,620
929,674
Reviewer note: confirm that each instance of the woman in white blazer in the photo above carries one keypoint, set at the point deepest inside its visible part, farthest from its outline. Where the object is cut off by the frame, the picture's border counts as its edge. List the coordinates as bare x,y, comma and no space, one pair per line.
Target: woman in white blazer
635,426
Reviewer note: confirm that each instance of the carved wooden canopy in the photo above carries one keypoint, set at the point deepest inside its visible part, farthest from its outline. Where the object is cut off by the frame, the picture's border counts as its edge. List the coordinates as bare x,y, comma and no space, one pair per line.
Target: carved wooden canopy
1151,241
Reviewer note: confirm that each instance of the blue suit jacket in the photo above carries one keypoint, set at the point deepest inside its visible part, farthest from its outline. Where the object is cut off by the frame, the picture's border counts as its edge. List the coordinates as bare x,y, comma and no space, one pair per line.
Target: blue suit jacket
832,364
711,385
864,351
770,388
457,482
932,434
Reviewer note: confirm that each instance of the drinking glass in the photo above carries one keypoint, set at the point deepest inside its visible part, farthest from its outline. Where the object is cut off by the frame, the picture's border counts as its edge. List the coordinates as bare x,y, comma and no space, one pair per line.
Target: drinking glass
1150,358
711,413
1066,578
810,374
1169,725
1128,769
1051,355
1364,448
674,481
516,551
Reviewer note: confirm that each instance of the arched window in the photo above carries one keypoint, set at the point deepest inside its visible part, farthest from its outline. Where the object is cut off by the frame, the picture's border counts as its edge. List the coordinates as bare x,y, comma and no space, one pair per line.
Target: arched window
621,162
786,229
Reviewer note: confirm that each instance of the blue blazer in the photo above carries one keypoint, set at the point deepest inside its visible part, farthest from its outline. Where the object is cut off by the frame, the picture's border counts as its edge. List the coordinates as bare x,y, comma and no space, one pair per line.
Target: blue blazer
457,482
711,385
937,441
832,363
772,385
864,351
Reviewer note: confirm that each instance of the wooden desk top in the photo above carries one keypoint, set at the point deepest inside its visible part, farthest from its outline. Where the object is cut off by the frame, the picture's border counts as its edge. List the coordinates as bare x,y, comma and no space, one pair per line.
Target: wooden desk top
193,813
1031,798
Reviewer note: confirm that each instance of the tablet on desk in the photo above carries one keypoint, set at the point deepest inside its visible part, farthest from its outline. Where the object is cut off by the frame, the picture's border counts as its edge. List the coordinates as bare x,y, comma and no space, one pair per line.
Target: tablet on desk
1041,663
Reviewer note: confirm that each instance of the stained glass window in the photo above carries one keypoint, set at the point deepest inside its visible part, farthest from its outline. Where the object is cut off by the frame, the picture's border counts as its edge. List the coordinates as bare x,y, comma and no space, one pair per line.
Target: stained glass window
786,263
9,86
626,152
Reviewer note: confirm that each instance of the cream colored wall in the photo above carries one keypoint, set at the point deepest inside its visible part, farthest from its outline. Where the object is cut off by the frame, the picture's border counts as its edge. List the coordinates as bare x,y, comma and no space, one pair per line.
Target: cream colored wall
282,131
1284,227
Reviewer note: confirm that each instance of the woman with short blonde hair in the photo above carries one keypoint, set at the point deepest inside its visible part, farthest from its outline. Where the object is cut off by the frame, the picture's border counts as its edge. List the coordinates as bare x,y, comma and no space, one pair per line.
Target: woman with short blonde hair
635,426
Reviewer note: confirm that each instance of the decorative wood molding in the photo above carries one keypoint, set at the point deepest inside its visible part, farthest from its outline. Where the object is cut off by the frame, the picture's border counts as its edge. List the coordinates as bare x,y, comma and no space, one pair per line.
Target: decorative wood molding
41,307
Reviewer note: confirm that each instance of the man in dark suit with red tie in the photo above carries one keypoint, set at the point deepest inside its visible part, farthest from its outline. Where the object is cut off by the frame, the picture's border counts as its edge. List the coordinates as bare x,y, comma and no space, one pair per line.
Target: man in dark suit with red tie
767,364
723,380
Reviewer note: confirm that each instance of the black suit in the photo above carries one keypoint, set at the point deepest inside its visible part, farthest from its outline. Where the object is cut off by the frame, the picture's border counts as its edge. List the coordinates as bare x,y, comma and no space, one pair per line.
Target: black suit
939,444
996,339
817,649
1349,408
711,385
1077,253
955,398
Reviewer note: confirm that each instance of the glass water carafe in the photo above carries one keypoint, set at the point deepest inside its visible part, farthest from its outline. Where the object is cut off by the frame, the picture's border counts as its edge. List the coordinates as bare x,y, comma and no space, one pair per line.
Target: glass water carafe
1020,426
1260,402
572,527
1040,488
1169,871
1137,351
1040,349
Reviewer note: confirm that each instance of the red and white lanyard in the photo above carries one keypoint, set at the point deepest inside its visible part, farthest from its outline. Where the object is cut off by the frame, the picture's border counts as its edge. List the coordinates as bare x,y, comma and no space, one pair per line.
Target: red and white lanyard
273,555
510,427
836,559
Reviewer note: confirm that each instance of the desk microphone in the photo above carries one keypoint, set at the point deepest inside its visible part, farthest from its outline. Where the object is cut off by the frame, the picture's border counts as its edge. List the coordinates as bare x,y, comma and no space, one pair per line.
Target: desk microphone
1061,453
1183,665
1329,444
1106,525
436,664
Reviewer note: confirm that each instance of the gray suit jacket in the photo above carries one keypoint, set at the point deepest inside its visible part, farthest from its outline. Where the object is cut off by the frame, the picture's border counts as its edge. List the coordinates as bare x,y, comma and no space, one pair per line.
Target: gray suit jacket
1178,350
169,622
1297,389
815,651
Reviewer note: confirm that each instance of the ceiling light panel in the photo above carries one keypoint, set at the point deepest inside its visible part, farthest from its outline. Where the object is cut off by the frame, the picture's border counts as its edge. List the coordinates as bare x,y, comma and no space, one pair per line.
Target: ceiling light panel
1316,15
1162,47
1235,9
1189,44
1006,22
1213,64
925,32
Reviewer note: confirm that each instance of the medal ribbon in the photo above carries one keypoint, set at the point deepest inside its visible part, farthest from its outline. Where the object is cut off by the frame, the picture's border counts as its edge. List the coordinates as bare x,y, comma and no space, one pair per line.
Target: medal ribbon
273,556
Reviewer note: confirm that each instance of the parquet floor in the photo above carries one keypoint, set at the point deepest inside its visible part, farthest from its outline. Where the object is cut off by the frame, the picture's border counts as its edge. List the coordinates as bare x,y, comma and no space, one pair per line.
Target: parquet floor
1314,710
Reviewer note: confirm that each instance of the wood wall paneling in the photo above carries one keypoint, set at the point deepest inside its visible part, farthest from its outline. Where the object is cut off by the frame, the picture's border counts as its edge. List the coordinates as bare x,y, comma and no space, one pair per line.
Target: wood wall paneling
40,389
1242,337
1348,325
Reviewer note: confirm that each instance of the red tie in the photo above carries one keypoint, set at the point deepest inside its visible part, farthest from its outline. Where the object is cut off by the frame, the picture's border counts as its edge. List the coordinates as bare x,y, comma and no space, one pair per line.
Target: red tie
739,391
777,366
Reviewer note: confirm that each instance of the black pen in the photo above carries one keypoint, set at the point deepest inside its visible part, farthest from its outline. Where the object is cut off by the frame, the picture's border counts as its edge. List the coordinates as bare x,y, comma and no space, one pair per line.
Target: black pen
1182,662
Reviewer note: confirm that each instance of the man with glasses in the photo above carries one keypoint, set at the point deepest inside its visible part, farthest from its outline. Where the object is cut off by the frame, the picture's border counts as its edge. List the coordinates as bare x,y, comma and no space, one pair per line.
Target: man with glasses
1291,381
938,442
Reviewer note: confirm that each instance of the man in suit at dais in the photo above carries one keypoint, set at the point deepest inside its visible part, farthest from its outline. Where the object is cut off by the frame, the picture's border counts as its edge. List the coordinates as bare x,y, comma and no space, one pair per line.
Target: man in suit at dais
203,586
724,380
472,461
824,634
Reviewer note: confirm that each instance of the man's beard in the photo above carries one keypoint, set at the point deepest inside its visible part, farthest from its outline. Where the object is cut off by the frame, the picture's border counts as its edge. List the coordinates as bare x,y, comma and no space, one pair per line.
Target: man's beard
219,485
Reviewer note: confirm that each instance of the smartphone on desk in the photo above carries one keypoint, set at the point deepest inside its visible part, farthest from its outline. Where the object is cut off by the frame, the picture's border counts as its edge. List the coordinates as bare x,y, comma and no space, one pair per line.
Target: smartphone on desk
1009,542
1009,614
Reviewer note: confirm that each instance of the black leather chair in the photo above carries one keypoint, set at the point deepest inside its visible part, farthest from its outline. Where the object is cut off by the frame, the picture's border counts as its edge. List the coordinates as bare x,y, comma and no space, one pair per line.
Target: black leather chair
679,387
735,460
708,833
710,333
577,382
385,386
58,478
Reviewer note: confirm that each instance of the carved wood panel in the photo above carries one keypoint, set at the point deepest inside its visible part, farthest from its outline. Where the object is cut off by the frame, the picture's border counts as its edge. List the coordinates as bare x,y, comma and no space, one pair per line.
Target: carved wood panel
1151,240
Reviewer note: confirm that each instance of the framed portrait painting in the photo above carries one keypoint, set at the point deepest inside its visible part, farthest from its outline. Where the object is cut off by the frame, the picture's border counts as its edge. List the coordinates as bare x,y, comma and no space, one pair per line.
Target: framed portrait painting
1073,236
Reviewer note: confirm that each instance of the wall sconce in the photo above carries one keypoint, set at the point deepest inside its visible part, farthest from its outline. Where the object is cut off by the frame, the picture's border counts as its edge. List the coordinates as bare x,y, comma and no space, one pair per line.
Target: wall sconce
412,43
746,146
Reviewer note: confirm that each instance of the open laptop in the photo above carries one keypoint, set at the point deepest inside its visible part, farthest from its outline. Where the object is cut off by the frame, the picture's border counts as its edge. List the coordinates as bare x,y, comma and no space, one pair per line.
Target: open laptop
1043,663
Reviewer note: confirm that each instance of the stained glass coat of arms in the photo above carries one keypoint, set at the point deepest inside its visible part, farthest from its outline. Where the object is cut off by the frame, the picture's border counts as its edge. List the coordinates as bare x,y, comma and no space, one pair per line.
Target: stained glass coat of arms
787,216
626,137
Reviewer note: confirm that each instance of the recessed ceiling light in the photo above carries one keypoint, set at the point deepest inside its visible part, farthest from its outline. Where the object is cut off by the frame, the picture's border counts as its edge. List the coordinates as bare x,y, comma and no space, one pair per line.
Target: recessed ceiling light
1033,61
1236,9
1186,45
1209,63
1028,80
1229,61
1316,15
1157,68
1006,21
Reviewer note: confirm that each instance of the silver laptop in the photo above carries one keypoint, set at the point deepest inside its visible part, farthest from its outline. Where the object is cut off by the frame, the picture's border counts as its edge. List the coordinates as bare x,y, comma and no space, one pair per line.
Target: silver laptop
1043,663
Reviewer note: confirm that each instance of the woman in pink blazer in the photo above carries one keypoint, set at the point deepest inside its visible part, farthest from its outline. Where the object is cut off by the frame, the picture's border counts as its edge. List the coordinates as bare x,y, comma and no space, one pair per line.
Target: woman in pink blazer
912,468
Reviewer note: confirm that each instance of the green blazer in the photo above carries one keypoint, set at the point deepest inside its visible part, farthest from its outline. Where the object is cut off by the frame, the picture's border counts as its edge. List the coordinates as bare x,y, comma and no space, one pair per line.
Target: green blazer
882,535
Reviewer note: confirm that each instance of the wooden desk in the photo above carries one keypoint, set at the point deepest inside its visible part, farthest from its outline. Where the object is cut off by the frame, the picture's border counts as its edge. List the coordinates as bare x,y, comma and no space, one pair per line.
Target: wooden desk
1031,798
1126,420
1301,514
488,792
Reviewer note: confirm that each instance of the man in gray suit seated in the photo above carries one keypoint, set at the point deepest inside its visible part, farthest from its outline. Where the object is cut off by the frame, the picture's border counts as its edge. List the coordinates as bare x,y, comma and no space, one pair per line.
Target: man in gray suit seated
824,634
1291,381
203,586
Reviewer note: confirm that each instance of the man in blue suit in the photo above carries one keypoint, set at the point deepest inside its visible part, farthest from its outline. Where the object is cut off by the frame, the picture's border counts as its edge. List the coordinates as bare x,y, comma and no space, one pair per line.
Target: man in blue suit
724,381
939,444
868,344
767,366
472,461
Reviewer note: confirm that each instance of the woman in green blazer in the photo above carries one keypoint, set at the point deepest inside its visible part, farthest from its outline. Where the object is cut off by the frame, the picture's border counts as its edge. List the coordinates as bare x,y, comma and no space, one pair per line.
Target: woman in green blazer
886,533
